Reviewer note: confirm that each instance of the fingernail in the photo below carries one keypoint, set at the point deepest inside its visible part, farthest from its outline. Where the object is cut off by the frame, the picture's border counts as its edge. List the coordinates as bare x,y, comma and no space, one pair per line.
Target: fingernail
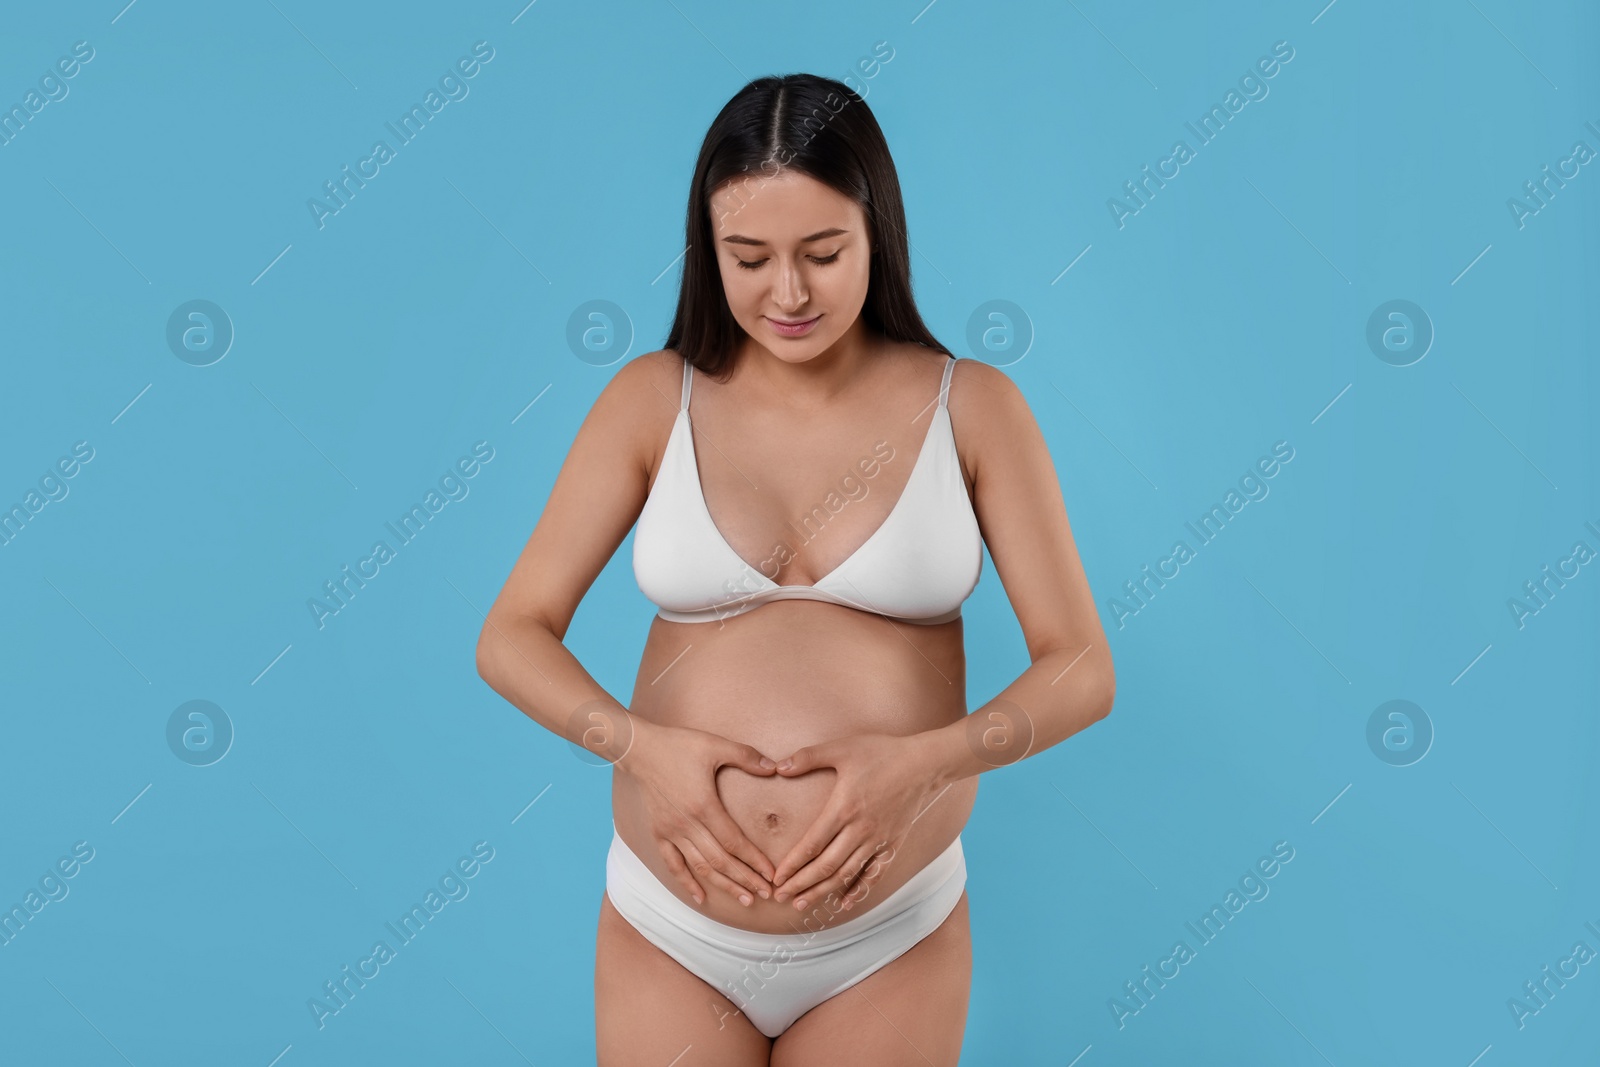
698,899
786,764
763,893
767,764
744,898
800,904
782,895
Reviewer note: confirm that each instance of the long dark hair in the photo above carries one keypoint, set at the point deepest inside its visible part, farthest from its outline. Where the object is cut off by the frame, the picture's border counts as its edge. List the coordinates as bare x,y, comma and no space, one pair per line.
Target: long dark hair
814,126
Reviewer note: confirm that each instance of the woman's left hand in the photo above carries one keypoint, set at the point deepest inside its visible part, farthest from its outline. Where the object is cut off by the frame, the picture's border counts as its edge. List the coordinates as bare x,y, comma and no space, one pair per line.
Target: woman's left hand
885,782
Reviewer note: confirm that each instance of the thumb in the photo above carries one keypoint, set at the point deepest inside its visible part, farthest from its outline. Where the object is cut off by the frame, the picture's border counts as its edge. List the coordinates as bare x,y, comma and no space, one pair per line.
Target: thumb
804,760
749,759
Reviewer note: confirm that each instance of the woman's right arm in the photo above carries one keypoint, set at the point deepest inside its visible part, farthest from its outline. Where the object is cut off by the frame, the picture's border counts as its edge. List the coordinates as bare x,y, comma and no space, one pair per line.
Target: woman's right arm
595,501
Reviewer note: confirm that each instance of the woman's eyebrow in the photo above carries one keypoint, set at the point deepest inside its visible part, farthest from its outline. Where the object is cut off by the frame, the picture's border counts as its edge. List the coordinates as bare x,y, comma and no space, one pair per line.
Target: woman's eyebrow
740,239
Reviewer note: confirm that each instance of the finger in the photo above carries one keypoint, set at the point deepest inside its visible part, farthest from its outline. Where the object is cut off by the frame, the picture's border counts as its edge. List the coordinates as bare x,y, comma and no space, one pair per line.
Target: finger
874,861
680,871
707,873
807,759
816,838
749,759
693,826
813,881
848,877
734,854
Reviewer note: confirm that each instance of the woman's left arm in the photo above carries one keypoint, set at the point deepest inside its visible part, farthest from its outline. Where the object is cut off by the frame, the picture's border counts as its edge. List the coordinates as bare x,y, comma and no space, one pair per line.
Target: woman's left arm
885,782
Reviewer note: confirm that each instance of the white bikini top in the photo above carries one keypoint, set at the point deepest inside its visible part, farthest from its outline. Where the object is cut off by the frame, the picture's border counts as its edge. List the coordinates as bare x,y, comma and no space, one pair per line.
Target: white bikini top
918,566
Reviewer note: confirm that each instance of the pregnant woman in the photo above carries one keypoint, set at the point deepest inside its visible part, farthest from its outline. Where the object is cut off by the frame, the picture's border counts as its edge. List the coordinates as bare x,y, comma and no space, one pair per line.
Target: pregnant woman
813,477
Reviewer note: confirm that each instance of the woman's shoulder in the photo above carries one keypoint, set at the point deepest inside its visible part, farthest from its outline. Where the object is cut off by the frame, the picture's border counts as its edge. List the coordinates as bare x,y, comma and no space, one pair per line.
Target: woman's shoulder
988,413
975,372
646,384
982,390
635,410
651,367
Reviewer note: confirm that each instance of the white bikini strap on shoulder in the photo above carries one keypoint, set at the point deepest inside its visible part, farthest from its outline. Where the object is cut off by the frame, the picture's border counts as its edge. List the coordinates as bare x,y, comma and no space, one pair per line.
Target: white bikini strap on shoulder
688,372
944,386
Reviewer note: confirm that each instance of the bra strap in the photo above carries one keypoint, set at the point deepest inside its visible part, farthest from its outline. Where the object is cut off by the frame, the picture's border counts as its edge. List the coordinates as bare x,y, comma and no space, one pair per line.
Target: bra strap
688,372
944,386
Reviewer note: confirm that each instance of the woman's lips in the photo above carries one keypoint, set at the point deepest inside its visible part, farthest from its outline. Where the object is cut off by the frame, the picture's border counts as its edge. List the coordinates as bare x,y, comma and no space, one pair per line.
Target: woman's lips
799,329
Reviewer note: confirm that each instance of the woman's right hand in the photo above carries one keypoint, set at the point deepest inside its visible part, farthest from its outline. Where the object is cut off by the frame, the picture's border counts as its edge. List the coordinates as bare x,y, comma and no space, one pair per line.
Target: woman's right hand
677,769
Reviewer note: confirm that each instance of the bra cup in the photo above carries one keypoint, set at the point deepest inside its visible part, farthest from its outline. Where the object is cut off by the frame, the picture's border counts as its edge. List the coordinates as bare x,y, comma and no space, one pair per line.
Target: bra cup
680,560
928,554
920,563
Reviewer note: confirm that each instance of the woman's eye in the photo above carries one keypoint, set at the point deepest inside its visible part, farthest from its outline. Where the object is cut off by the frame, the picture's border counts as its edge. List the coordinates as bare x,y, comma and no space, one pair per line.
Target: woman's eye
819,260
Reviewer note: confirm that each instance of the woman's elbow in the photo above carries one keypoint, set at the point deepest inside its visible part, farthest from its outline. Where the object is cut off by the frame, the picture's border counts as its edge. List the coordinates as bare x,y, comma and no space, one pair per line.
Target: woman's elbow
1107,689
485,655
500,637
492,641
1108,695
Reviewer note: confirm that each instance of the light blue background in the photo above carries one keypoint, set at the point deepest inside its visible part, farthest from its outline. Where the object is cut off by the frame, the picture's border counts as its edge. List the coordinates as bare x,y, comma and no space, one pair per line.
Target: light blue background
1228,314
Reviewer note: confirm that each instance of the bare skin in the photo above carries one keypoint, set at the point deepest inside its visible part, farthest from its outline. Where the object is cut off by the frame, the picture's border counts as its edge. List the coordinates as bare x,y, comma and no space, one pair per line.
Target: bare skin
871,710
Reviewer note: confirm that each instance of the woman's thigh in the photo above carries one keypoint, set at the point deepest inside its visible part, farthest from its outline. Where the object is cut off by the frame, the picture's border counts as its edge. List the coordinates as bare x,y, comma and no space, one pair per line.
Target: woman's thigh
912,1011
649,1009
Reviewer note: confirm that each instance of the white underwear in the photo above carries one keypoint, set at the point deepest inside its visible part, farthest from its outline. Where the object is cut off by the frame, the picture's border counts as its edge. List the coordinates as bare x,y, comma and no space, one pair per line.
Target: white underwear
776,978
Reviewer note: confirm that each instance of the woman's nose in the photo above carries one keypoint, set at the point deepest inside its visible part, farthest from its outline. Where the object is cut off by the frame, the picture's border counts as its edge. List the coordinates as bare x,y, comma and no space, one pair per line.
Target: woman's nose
789,291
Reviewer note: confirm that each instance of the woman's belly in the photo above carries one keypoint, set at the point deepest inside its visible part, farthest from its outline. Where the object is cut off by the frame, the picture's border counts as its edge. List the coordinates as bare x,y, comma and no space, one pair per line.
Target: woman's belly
789,674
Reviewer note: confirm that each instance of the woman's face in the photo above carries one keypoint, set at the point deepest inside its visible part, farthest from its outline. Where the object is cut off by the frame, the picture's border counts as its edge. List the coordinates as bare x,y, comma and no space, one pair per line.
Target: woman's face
791,250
